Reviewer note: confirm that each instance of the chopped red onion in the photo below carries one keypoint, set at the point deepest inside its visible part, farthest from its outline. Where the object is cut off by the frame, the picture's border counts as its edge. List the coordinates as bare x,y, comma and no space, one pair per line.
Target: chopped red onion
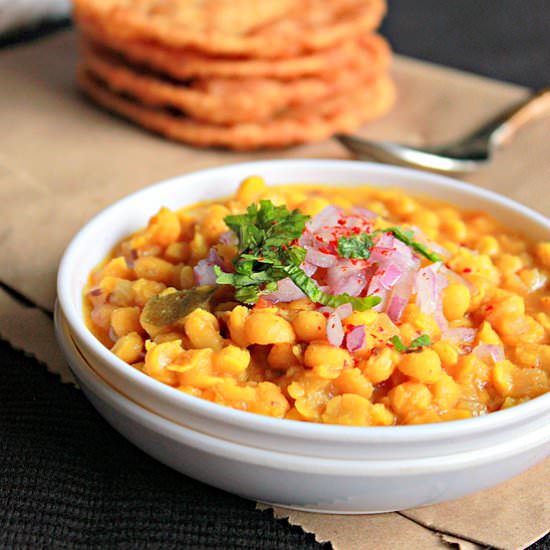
400,296
228,238
376,289
389,276
365,212
335,331
459,335
429,285
320,259
204,270
396,307
431,245
489,351
356,338
286,291
204,273
347,278
328,217
309,269
343,311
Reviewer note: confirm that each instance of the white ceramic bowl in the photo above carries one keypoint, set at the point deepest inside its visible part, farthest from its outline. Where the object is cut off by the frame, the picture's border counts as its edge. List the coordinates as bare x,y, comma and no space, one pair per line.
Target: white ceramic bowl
286,479
97,238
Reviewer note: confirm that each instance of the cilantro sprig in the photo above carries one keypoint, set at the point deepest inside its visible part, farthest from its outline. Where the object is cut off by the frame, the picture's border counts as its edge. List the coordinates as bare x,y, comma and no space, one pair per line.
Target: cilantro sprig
416,344
268,252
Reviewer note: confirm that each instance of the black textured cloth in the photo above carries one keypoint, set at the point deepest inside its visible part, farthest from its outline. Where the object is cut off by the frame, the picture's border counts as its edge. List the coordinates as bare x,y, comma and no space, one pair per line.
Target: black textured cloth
68,480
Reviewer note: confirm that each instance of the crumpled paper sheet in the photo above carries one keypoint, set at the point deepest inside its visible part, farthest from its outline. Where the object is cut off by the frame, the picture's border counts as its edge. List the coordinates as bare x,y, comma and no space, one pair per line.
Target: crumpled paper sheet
62,160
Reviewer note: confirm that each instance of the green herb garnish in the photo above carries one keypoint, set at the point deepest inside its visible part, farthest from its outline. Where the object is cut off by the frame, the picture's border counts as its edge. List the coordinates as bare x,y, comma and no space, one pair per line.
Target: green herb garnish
360,246
416,344
268,252
355,246
407,237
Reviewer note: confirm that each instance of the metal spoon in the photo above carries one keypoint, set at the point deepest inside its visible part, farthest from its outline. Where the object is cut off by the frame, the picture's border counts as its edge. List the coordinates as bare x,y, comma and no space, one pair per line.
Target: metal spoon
465,155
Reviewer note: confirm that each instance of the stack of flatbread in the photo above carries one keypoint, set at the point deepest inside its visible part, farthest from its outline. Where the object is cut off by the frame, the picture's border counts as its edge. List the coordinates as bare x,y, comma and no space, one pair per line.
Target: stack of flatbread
241,74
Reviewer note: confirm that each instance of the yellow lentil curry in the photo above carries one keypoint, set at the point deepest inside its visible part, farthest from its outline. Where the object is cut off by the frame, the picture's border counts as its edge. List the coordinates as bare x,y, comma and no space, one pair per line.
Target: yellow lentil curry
356,306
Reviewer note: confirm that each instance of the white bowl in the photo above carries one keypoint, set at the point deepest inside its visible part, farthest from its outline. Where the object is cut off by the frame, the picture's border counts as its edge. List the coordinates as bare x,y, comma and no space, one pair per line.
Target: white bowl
96,239
286,479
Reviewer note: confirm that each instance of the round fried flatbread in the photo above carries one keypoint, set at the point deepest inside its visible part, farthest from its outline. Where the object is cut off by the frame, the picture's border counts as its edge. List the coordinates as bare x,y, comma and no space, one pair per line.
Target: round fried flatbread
261,29
233,100
298,125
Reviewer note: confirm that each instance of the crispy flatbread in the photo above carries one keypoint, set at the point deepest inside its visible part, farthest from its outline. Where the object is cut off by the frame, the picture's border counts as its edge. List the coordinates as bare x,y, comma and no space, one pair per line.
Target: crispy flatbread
293,126
233,100
261,29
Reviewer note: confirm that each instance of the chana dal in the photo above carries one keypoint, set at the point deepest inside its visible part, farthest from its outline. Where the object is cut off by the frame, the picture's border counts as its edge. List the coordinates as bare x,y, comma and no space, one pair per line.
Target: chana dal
356,306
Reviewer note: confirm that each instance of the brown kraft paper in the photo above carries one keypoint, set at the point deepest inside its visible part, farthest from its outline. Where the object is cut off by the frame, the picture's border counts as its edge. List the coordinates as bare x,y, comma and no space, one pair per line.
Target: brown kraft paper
62,160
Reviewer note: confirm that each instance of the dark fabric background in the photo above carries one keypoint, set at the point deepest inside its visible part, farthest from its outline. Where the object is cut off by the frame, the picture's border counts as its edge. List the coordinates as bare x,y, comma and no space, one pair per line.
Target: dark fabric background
67,480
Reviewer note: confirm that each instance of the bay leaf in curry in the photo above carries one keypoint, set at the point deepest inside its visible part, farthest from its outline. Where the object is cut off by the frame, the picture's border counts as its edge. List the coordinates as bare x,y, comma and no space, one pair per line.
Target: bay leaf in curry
164,311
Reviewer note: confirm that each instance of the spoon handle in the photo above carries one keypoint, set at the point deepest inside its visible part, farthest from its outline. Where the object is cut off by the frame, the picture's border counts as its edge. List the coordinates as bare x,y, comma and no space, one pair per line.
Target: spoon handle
505,125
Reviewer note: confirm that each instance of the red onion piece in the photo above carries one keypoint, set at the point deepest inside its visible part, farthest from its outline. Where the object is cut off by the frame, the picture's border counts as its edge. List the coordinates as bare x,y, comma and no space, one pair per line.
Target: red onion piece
347,278
431,245
335,331
228,238
204,270
429,285
400,296
489,351
320,259
459,335
328,217
365,212
343,311
204,273
389,276
286,291
396,307
356,338
309,269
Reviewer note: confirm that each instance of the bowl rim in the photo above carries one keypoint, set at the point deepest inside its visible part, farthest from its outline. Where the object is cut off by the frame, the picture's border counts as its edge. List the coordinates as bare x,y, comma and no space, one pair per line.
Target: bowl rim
123,404
262,423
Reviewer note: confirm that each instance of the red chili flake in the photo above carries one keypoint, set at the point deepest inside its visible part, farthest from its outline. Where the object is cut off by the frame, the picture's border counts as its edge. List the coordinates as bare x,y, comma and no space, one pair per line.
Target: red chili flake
341,222
284,246
467,270
274,222
490,307
380,329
